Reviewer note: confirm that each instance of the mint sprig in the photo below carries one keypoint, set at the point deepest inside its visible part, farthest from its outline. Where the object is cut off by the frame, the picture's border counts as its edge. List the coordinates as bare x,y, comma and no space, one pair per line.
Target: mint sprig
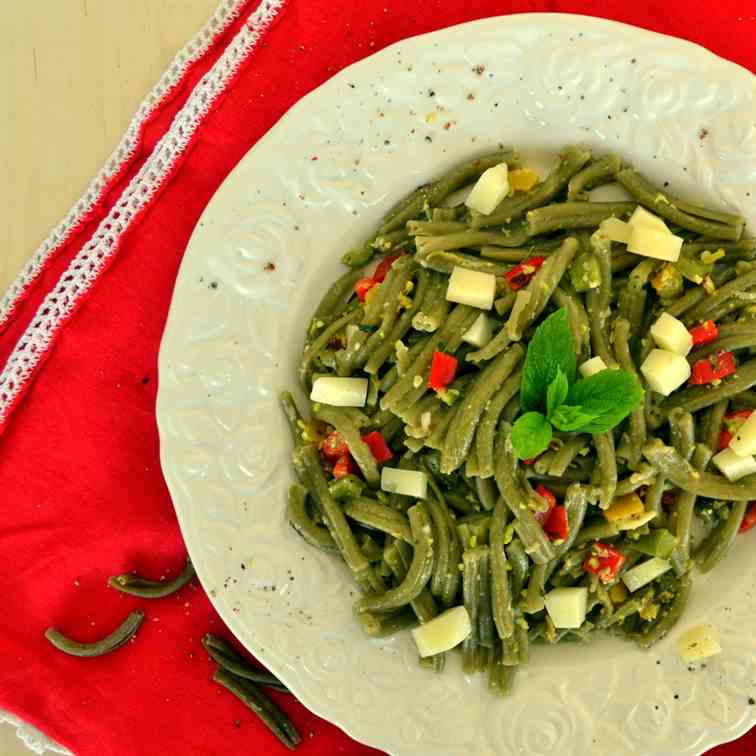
553,398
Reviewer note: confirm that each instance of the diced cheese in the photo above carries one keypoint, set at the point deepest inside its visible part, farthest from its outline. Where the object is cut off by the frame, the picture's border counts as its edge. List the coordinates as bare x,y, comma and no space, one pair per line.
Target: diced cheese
650,242
669,333
489,190
631,522
665,371
443,632
615,230
471,287
645,573
406,482
340,392
642,217
480,332
567,606
592,366
732,465
624,506
698,643
744,440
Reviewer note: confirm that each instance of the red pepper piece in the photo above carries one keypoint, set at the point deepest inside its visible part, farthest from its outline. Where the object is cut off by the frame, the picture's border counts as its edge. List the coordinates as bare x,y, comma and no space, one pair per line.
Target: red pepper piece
384,266
363,286
523,272
749,521
443,370
344,466
732,421
556,525
713,368
604,561
544,492
724,439
333,447
378,446
669,499
704,333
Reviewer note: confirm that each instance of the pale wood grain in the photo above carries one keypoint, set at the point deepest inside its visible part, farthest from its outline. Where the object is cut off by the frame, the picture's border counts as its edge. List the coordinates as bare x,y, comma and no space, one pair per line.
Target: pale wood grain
72,73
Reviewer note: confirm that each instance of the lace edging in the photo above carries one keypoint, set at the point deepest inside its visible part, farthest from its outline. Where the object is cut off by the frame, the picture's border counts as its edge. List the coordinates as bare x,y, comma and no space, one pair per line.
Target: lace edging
225,14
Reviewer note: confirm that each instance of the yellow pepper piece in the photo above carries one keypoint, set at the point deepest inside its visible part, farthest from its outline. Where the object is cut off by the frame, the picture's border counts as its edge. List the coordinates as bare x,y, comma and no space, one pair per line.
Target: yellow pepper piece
649,612
522,179
623,507
618,593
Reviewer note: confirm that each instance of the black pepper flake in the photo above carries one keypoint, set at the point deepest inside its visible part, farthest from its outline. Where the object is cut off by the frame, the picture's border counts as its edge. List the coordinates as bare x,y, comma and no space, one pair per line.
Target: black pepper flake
352,86
676,696
702,134
243,566
428,139
146,379
269,267
582,97
387,142
431,93
214,285
237,723
479,69
633,60
752,701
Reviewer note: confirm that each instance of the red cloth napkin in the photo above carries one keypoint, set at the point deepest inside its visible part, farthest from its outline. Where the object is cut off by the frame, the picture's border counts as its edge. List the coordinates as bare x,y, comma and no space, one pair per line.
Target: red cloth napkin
80,481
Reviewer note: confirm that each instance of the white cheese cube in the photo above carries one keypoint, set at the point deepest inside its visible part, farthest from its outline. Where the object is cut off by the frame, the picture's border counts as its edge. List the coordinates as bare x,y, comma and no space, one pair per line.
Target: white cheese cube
645,573
744,440
650,242
480,332
567,606
406,482
340,392
698,643
732,465
669,333
592,366
489,190
615,230
665,371
642,217
443,633
470,287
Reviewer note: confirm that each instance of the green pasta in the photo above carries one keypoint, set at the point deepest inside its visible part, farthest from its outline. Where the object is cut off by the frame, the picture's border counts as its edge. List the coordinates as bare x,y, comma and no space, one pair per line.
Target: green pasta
423,493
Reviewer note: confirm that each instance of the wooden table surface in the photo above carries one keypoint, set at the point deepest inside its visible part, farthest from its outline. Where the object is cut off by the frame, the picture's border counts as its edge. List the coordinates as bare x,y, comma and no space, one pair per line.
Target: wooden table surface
73,72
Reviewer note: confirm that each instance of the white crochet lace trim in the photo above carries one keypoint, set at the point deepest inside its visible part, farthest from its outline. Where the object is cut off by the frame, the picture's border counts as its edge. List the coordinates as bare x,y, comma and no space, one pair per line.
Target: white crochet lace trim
31,737
226,13
95,255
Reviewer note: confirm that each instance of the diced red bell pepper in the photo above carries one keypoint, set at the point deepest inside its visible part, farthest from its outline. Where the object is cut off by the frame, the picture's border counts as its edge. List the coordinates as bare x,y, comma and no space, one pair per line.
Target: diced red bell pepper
749,521
523,272
704,333
669,499
541,490
334,447
344,466
378,446
443,370
713,368
556,525
724,439
384,266
544,492
363,286
604,561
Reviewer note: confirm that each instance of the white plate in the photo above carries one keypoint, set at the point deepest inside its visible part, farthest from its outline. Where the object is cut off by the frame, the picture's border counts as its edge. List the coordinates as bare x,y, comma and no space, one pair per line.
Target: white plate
317,183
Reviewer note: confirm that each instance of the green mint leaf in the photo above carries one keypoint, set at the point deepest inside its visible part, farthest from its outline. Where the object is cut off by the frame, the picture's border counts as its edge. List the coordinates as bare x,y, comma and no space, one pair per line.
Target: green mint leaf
568,419
557,392
551,347
608,397
531,435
